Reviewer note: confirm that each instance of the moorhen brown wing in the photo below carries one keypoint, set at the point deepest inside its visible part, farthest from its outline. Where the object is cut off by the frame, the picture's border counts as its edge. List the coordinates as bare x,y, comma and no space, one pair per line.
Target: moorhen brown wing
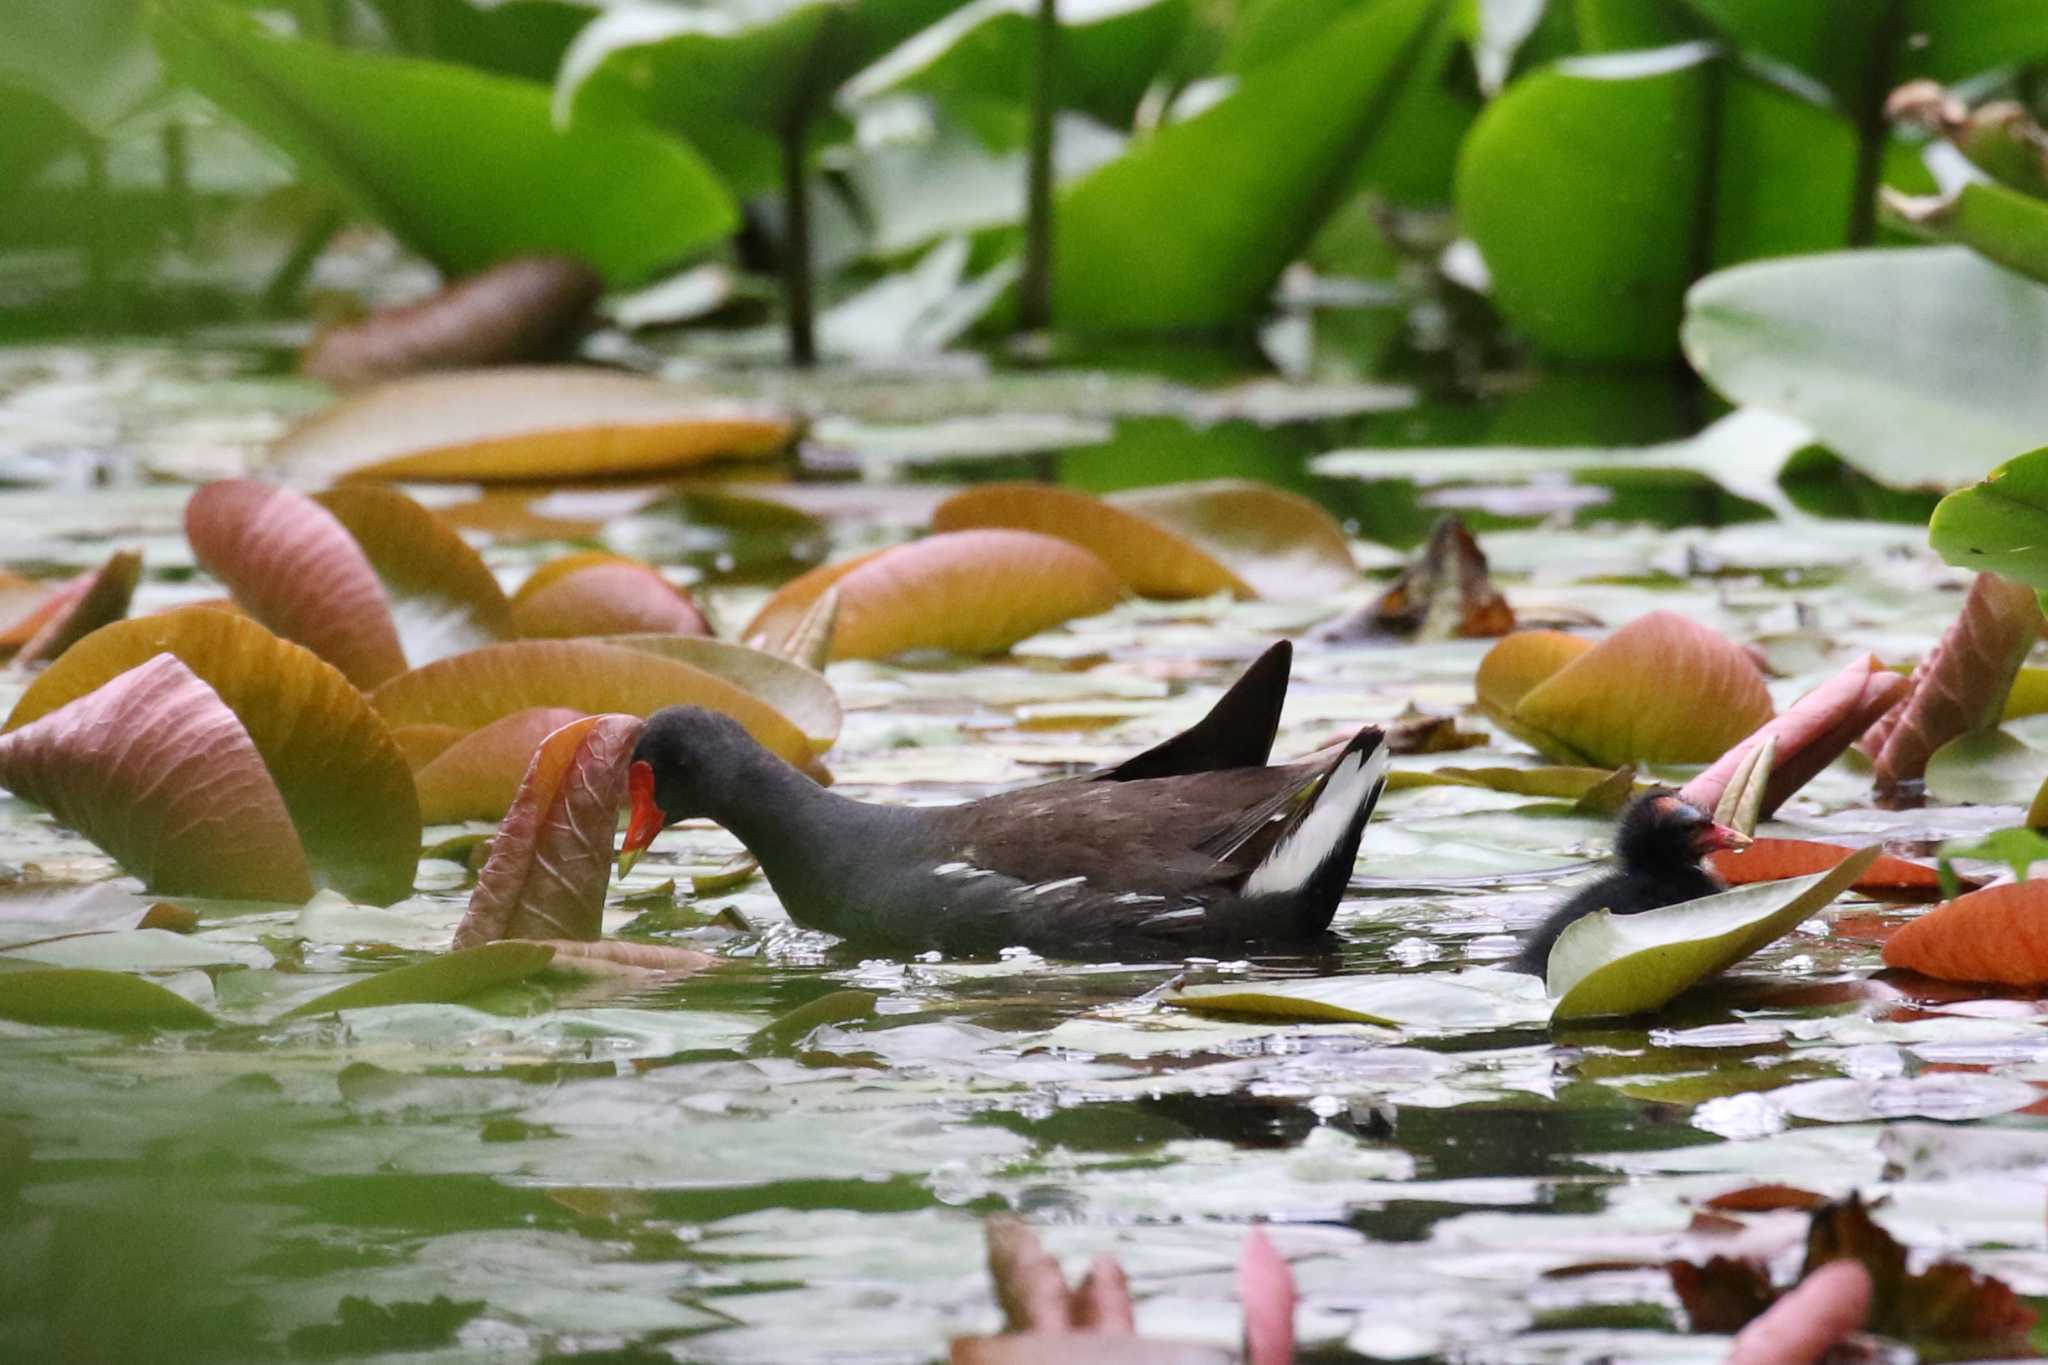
1182,848
1660,843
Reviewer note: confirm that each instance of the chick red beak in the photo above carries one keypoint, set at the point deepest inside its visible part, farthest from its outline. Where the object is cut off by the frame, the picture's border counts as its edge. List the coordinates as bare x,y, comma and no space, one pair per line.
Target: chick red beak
647,818
1715,838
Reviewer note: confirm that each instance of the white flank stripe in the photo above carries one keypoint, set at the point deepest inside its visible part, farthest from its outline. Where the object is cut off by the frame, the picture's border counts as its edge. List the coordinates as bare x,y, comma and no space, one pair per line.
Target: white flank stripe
1299,856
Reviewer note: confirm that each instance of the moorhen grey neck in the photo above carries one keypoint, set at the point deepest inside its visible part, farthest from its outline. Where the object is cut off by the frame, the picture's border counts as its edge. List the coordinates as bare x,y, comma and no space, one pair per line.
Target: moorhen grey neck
1660,842
1193,844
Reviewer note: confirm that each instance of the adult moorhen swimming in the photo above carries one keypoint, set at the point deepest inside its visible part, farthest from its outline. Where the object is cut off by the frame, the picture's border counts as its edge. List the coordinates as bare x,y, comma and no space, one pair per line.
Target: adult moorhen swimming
1193,844
1660,843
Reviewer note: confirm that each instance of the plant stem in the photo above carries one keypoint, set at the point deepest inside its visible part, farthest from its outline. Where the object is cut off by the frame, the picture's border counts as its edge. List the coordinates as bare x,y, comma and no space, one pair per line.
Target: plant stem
796,245
284,286
1872,130
99,246
177,162
1034,309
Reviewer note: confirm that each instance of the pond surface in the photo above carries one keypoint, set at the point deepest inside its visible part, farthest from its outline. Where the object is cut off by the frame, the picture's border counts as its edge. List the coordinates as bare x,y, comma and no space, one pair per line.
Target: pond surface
632,1174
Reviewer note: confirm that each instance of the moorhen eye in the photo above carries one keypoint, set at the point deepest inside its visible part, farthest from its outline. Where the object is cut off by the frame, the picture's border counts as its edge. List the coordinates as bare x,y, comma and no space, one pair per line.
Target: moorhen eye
1194,844
1659,842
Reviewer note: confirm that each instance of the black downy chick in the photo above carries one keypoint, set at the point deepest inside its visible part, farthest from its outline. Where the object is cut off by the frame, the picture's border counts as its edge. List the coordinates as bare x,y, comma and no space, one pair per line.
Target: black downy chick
1660,843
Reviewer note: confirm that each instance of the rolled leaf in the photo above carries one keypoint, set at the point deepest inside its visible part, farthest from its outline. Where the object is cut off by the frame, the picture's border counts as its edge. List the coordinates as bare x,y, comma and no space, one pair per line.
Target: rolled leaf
1812,733
76,609
155,769
520,424
552,858
973,592
343,779
295,568
1961,685
521,310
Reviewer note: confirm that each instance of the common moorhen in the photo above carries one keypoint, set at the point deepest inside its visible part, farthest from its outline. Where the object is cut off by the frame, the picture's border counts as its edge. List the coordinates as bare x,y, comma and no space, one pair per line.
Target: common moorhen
1660,843
1193,844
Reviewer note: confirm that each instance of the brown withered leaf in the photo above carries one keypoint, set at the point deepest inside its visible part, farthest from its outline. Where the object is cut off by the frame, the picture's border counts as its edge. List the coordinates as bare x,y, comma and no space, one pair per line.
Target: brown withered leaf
1959,687
529,308
1417,732
1724,1294
1446,593
1947,1302
1766,1199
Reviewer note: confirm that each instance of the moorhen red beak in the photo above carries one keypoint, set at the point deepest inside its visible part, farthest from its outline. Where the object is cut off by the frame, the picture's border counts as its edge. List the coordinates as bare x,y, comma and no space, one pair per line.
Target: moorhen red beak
1193,844
647,820
1660,842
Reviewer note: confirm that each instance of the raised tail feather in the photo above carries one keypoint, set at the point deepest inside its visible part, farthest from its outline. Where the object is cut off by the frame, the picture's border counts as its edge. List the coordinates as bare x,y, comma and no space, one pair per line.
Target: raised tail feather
1312,859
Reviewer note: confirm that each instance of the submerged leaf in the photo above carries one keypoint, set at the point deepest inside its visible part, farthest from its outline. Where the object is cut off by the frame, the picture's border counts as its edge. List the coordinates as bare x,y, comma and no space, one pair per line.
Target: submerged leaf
295,568
1626,964
1998,934
155,769
1662,689
344,780
972,592
552,857
595,593
448,976
517,424
80,997
525,309
1959,687
1811,733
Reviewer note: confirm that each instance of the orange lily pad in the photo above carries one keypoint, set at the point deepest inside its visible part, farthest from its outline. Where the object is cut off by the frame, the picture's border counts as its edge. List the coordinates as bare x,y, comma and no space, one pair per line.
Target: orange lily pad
296,569
155,769
1770,860
1187,540
74,609
971,592
476,776
521,424
471,690
552,857
595,593
343,778
1999,934
1662,689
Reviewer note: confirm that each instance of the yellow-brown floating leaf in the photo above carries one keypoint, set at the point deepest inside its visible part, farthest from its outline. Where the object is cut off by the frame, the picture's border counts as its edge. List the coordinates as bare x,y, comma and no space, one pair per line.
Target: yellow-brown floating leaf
422,744
1662,689
298,571
552,857
594,593
1280,543
1152,560
343,779
76,609
528,308
476,777
471,690
521,424
443,596
801,694
971,592
155,769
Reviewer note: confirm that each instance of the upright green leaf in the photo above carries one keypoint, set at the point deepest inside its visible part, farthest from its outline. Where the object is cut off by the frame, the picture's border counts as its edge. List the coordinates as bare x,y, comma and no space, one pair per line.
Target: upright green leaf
1190,228
2001,524
1671,161
512,37
1883,355
466,167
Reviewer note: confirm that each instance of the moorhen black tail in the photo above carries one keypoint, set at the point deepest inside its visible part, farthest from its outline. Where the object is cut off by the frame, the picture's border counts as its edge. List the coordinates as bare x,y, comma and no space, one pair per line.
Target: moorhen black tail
1660,843
1183,848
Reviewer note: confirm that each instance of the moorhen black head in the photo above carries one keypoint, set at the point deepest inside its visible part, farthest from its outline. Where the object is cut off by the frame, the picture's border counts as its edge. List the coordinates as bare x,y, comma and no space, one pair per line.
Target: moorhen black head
1193,844
1660,842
